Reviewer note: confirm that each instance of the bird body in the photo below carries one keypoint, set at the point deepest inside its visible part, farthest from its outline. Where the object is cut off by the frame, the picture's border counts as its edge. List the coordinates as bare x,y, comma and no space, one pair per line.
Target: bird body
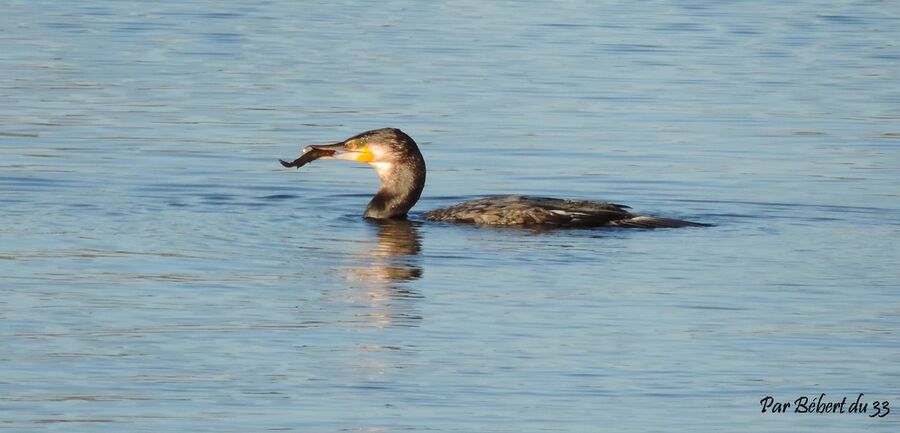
519,210
401,167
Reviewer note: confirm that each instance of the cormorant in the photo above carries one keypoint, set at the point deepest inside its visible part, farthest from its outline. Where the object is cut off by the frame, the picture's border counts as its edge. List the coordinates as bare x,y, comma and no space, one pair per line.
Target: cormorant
401,167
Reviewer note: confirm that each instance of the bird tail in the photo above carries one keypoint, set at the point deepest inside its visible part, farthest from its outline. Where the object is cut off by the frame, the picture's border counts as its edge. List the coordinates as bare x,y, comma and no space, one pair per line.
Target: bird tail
649,222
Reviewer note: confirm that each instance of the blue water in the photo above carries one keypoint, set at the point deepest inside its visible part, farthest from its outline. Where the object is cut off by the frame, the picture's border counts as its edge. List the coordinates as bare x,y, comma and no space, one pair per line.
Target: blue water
159,271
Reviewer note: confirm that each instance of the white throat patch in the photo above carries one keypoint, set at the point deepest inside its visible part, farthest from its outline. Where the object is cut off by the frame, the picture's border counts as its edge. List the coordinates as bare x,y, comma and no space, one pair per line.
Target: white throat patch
382,168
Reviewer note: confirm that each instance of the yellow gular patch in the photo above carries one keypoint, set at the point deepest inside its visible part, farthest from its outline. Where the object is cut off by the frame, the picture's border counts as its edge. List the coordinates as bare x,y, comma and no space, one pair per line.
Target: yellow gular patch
365,156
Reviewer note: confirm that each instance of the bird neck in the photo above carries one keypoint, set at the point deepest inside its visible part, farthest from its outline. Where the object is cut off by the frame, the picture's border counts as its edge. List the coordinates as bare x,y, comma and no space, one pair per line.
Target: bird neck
401,185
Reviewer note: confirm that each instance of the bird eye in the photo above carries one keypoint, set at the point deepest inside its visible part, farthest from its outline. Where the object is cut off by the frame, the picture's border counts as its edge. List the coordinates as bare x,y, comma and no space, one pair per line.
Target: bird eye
356,143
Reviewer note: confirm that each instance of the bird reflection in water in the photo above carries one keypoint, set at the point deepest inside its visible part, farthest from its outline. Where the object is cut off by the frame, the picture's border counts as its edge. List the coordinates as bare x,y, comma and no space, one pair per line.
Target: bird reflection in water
381,274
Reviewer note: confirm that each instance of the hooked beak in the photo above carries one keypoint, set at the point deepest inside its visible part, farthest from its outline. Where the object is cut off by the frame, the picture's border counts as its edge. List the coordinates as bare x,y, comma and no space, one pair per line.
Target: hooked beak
336,147
341,150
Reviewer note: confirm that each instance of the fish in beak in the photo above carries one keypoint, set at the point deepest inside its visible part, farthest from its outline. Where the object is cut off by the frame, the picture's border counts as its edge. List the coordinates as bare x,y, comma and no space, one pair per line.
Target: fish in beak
354,149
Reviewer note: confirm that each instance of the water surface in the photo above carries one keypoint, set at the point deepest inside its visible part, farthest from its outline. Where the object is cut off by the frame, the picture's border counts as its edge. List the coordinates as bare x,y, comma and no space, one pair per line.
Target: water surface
159,270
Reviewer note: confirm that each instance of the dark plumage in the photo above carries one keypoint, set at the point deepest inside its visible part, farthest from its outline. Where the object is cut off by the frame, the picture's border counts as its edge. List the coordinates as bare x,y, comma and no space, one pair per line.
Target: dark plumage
517,210
401,167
